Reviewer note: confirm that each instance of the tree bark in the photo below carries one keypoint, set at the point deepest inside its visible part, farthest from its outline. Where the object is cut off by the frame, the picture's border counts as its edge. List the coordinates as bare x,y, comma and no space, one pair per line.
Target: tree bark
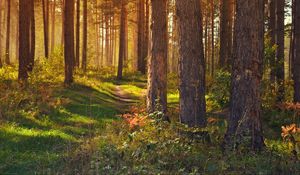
245,109
45,6
24,44
122,41
157,66
53,25
192,63
77,49
1,64
7,49
69,40
226,28
32,37
84,39
212,37
141,37
296,54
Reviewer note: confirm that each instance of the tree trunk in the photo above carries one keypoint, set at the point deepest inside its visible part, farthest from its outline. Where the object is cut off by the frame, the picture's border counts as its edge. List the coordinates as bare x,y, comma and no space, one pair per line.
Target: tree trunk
7,49
69,40
84,38
157,66
1,64
45,5
24,44
53,26
244,123
141,37
212,37
62,22
296,58
280,49
226,27
272,34
192,63
122,41
32,37
77,49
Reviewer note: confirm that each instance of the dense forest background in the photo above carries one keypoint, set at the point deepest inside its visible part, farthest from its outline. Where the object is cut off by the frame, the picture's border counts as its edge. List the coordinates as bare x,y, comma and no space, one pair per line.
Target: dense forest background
149,86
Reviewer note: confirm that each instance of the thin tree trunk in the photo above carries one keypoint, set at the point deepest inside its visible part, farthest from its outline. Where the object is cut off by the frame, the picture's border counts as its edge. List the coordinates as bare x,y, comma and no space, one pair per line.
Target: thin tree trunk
62,22
53,26
280,49
272,34
122,41
141,38
1,64
192,63
32,37
45,6
212,38
7,55
244,123
84,38
77,49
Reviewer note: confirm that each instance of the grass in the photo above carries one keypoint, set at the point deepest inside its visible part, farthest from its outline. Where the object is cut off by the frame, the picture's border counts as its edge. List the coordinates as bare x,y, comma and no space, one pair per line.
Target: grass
45,127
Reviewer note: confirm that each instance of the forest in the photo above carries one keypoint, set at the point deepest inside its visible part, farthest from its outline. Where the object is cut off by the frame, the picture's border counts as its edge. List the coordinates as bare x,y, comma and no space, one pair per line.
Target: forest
142,87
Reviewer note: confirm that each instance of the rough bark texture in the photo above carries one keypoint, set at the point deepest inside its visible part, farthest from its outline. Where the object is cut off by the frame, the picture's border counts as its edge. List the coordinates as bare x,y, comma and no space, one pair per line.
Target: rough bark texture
69,40
226,27
84,39
122,41
191,63
7,49
280,49
157,65
245,108
77,52
296,58
24,44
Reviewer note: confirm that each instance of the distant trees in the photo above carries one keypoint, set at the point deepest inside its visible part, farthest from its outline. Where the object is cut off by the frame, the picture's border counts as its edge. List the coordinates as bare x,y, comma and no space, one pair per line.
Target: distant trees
158,57
77,47
69,40
244,127
7,50
45,6
122,39
280,4
192,64
143,32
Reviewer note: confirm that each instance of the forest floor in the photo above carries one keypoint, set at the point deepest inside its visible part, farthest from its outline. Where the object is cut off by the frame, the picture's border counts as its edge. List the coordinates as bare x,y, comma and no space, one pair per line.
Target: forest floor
51,128
99,126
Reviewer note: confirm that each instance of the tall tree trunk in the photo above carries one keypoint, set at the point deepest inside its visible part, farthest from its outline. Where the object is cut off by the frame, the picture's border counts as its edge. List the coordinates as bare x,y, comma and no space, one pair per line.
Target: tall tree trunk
212,37
53,25
102,39
45,5
272,35
226,28
69,40
77,49
7,49
296,54
24,44
141,37
280,49
1,64
32,37
192,63
244,123
62,22
84,38
122,40
157,66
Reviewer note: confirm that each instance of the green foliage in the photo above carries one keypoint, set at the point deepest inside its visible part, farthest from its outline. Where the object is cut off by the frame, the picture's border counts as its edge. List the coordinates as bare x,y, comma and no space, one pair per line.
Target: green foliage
219,90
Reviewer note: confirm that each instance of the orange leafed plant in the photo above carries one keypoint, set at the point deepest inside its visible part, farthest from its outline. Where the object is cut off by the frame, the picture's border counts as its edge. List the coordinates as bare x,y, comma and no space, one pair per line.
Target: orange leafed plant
135,118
